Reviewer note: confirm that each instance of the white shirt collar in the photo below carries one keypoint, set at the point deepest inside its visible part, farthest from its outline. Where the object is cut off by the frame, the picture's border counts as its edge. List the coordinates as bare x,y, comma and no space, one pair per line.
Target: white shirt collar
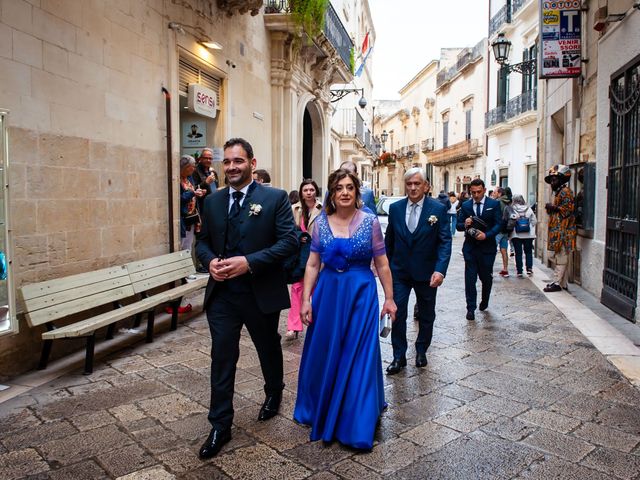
420,203
244,190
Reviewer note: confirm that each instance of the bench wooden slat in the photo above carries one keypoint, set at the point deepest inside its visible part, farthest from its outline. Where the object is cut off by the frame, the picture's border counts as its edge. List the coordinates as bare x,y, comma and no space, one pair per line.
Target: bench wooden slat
148,284
47,301
148,263
45,315
149,273
57,285
85,327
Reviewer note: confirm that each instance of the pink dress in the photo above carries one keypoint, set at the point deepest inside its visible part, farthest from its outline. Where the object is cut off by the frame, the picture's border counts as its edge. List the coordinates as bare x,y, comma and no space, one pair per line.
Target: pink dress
293,320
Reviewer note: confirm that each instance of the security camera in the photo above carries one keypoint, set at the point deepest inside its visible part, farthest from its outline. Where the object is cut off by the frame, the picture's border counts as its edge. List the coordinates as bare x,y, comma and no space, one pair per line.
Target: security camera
230,64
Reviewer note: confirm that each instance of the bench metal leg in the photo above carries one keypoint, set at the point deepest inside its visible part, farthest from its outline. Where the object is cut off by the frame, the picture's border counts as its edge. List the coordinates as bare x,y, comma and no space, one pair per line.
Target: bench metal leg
138,320
174,313
150,320
88,361
110,329
44,356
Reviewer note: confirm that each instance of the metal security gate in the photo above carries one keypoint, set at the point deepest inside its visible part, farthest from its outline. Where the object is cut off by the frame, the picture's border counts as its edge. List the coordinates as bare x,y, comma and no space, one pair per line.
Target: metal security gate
620,276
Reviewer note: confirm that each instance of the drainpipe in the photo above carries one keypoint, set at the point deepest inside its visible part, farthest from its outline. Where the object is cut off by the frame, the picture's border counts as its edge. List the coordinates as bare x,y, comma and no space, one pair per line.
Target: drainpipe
167,100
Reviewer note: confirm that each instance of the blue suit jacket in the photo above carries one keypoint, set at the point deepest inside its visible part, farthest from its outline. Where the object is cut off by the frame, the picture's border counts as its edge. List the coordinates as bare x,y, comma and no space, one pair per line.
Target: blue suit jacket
368,199
415,256
491,215
268,239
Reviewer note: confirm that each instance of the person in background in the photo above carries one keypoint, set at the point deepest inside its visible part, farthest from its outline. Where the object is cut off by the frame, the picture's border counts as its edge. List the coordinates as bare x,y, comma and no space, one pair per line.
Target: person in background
204,178
562,225
305,213
294,197
453,212
521,221
262,176
366,194
503,195
481,221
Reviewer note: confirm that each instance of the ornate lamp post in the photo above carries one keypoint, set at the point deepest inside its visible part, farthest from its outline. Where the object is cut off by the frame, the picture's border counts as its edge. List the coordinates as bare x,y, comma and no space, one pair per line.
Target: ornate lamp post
501,49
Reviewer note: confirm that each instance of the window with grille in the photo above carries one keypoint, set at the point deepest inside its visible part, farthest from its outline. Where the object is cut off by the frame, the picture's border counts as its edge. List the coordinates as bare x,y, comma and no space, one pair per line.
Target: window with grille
190,72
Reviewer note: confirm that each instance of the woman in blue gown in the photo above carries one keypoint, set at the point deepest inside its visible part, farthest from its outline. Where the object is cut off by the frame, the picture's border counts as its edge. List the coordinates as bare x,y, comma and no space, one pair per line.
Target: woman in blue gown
340,386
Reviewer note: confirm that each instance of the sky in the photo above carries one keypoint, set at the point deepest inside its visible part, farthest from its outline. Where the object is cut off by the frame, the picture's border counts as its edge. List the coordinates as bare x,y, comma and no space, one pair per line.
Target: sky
410,33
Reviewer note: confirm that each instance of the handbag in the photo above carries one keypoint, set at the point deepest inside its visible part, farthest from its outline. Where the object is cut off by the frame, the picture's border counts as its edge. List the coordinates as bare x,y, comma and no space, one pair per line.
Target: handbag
295,265
385,325
191,219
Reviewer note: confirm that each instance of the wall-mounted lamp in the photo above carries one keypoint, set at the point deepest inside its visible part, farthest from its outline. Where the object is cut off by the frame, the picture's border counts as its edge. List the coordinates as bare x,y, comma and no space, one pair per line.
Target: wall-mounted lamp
340,94
501,47
202,38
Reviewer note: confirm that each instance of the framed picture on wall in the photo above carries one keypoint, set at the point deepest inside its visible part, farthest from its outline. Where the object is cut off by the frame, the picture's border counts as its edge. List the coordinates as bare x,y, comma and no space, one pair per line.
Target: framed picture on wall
194,133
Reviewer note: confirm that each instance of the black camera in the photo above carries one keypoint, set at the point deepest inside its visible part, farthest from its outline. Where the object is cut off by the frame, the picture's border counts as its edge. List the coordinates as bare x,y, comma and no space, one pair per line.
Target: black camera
477,226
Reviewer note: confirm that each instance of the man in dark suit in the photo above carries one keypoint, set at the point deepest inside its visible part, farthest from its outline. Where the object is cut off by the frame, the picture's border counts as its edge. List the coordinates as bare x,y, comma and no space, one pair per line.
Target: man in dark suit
247,233
366,194
479,249
418,243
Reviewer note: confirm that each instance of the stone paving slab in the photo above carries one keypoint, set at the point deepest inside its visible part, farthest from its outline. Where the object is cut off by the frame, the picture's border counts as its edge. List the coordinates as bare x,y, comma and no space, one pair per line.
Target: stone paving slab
518,394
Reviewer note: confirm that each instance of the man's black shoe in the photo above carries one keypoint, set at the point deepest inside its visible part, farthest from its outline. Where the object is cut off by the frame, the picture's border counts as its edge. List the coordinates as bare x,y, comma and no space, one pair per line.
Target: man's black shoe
202,270
484,304
214,443
552,287
270,407
421,360
395,366
470,315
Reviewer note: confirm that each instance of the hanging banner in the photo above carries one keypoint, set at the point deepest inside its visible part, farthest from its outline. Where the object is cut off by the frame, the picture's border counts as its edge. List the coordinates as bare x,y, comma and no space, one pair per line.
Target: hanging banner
560,39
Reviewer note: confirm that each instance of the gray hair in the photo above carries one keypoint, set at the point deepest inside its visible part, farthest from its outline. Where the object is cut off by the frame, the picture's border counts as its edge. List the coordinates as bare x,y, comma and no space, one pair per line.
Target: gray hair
518,200
207,149
349,166
416,171
186,160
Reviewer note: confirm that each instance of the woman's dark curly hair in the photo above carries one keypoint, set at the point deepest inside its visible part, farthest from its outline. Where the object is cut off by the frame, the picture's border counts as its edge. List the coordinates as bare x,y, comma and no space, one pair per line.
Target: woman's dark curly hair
332,187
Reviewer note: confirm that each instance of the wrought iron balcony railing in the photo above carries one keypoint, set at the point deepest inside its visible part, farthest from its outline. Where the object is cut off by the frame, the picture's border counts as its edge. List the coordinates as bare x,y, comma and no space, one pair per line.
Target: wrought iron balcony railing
333,28
526,102
517,5
457,152
503,16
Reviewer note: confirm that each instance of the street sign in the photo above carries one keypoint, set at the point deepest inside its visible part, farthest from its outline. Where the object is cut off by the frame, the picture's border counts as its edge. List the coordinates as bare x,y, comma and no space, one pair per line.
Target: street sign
560,39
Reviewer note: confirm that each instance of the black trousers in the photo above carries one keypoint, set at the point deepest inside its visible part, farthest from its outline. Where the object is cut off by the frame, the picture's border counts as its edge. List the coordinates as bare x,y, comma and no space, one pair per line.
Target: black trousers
426,301
477,264
227,313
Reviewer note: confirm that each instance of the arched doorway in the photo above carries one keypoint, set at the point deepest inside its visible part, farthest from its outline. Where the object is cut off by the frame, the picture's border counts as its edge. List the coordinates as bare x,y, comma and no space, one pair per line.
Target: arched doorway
312,144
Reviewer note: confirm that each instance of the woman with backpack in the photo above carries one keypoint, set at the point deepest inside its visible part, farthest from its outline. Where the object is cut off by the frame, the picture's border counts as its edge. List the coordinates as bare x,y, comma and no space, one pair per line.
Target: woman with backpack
521,222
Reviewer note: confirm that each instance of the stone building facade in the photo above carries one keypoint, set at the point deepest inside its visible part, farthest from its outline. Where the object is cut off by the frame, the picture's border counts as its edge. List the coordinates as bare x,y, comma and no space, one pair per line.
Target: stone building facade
87,125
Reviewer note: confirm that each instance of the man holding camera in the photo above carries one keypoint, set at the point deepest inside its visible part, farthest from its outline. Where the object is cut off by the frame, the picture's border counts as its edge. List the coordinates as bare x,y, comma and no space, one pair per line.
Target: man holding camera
480,219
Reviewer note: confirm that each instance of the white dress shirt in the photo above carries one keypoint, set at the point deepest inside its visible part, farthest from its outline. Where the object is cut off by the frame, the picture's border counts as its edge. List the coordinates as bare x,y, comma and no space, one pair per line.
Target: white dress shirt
243,190
418,210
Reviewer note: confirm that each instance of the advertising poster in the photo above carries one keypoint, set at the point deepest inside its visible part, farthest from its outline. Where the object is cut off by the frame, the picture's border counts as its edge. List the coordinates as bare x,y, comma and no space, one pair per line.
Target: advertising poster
194,134
560,44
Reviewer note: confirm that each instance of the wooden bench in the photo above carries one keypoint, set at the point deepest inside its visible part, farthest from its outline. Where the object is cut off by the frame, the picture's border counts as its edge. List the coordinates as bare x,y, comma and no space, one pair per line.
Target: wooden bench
54,300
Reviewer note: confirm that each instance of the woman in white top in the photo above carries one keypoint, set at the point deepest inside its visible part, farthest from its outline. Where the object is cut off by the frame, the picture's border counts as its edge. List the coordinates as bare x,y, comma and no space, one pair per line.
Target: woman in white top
453,212
521,218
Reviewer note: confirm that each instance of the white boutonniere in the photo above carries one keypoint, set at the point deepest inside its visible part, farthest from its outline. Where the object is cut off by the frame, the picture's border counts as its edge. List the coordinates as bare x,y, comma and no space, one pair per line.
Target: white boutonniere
255,209
433,220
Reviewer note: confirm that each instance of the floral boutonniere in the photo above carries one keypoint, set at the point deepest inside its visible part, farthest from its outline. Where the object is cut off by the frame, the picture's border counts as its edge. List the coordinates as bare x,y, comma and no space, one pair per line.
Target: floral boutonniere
255,209
433,220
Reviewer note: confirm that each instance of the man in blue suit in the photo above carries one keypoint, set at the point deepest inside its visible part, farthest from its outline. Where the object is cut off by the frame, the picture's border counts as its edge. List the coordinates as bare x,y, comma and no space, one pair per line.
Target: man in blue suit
480,219
418,243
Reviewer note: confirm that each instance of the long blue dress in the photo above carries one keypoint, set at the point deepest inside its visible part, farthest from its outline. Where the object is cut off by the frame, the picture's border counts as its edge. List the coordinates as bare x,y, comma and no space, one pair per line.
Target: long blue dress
340,386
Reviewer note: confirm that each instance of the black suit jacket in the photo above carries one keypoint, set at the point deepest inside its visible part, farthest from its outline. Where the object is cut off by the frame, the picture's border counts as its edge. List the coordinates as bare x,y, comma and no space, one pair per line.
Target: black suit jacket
428,249
267,240
491,215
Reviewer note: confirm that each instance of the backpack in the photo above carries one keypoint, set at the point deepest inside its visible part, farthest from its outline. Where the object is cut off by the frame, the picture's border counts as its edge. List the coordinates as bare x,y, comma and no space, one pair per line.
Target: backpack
522,224
295,265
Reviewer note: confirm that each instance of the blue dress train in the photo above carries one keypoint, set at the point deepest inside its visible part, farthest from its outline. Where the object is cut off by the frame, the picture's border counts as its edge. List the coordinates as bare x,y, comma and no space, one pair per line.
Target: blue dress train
340,386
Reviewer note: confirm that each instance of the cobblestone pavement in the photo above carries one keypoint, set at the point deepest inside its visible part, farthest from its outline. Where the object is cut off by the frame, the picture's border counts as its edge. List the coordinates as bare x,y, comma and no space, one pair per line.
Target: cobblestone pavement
519,393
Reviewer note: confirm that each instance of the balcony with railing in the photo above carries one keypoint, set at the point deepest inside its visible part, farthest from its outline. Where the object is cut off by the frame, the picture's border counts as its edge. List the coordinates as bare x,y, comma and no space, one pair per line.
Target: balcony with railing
333,28
427,145
514,108
503,16
516,5
349,124
465,58
458,152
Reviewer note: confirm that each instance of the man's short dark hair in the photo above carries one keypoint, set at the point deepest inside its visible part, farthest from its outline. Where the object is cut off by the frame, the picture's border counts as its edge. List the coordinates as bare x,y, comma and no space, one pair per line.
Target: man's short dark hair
262,175
477,182
500,190
232,142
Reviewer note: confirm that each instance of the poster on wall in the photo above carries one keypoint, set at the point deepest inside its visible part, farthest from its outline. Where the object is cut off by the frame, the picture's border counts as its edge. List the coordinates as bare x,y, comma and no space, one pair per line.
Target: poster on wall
560,39
194,134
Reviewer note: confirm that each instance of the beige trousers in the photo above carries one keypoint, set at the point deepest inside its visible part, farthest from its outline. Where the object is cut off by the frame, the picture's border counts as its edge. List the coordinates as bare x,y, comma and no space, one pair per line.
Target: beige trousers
561,262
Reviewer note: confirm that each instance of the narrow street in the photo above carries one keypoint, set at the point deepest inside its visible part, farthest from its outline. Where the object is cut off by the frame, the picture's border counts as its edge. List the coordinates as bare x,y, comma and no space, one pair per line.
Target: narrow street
519,393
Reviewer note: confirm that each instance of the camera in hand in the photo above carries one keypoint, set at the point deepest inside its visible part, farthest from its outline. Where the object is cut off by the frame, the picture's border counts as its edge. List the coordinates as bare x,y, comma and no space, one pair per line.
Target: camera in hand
477,226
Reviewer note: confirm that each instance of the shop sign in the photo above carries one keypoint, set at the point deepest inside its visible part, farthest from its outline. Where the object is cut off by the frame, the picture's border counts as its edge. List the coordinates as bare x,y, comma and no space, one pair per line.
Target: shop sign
194,134
202,100
466,179
560,39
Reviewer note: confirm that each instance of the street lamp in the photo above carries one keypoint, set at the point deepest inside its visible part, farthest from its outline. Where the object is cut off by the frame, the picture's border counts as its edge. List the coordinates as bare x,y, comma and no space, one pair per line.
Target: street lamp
501,47
337,95
383,136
